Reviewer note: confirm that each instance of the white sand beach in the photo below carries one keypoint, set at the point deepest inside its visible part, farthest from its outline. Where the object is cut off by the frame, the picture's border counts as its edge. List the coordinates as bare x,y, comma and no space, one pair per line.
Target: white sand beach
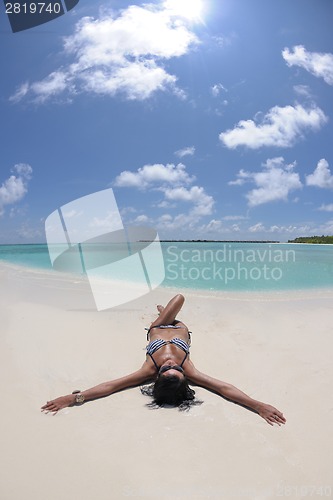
276,347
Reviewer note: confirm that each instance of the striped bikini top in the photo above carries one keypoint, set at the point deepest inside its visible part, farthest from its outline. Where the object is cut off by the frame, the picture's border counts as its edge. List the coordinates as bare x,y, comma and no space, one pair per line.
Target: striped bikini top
156,344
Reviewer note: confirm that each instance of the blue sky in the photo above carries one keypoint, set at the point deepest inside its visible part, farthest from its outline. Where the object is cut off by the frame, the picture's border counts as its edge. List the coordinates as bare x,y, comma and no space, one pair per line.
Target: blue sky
210,119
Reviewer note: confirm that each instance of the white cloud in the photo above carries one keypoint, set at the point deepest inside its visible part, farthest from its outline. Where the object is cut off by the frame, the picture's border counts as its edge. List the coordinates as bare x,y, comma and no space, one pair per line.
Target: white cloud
189,9
326,228
203,203
280,127
15,187
20,211
242,178
213,225
188,151
216,228
234,217
273,183
138,80
142,219
317,63
224,41
149,175
28,232
71,213
24,170
279,229
174,183
326,208
128,210
180,222
106,222
257,228
321,176
165,204
20,92
118,54
303,90
52,85
165,218
217,89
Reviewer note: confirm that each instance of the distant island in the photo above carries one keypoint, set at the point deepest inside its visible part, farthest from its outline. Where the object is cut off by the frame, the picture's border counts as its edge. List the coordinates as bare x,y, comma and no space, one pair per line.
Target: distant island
313,239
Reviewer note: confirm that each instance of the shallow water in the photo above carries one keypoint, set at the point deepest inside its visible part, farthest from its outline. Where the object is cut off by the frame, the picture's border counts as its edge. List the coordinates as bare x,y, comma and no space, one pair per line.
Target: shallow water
221,266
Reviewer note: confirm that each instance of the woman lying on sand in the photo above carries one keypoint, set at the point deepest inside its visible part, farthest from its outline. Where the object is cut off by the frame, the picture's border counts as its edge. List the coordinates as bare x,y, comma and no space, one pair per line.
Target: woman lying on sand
169,368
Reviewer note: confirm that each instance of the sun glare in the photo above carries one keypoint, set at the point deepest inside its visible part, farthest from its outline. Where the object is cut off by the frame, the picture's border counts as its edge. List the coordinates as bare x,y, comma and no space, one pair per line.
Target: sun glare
189,9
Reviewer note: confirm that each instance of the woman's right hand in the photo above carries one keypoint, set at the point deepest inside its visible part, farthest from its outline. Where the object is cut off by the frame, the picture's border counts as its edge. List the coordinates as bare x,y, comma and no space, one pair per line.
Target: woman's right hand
271,414
58,404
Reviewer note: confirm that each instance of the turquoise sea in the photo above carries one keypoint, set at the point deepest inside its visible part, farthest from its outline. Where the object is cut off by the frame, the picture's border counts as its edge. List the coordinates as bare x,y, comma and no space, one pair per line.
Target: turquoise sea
221,265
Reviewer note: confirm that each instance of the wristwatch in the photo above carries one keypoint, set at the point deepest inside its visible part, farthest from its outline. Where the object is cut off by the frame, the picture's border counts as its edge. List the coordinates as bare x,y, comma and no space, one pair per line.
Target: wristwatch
79,398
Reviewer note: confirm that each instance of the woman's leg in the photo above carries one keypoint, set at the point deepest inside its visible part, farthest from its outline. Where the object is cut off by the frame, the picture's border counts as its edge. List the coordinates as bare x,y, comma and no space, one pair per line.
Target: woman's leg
168,314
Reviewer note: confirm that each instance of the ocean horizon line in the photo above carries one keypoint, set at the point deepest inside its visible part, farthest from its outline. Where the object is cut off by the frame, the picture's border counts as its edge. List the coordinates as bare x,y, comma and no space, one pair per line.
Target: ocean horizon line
169,241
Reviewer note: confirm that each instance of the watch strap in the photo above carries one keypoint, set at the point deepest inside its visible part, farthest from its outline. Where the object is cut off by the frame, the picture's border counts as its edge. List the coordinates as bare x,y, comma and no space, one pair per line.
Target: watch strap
79,397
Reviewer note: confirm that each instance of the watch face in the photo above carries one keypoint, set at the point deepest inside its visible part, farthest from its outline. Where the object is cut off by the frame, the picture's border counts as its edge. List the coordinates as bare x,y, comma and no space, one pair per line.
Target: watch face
79,398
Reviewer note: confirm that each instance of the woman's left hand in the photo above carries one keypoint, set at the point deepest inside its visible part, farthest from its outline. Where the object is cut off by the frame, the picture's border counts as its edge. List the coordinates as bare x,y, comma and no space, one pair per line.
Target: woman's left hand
271,414
58,404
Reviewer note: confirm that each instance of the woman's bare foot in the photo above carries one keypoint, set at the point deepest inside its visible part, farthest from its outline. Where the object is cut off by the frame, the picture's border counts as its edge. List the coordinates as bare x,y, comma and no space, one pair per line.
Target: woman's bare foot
160,308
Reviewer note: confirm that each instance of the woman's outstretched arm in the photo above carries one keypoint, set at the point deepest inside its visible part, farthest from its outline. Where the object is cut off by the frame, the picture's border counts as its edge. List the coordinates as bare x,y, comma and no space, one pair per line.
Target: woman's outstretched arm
230,392
134,379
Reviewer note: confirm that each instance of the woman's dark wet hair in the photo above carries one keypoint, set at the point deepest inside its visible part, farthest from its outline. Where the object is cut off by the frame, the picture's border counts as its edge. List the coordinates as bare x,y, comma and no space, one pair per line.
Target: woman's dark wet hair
170,390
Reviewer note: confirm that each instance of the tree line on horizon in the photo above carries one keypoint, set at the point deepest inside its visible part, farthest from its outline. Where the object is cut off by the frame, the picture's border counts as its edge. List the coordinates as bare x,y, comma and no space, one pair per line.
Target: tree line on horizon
313,239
